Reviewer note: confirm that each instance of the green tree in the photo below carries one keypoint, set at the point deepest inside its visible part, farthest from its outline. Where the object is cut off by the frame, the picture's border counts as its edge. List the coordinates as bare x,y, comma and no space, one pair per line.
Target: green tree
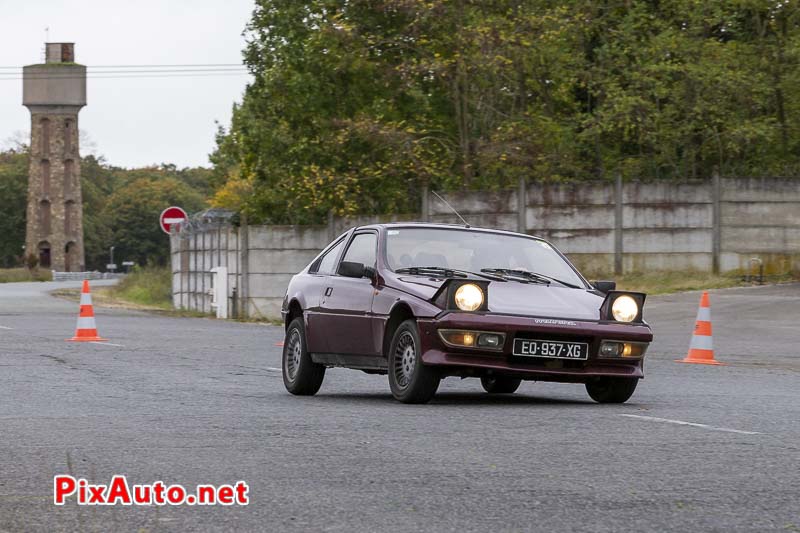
132,211
326,125
356,103
97,184
103,184
13,195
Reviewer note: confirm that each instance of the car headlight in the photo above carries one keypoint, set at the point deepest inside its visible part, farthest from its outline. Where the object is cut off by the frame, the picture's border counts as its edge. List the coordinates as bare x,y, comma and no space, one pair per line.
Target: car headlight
469,297
624,309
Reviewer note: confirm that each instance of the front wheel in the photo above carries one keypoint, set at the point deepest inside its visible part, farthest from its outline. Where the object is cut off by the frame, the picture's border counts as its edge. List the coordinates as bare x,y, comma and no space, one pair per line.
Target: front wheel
301,375
409,379
611,390
500,384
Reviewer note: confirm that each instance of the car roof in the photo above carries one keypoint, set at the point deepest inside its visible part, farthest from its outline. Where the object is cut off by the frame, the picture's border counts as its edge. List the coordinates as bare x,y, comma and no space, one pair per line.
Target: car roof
441,225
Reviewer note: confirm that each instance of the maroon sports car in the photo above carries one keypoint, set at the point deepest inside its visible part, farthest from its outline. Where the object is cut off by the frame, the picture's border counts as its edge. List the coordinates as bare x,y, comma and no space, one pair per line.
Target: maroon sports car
420,302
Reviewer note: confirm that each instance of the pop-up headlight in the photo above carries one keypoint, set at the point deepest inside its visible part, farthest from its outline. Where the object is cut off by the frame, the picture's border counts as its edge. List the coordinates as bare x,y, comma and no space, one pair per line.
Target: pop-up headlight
622,306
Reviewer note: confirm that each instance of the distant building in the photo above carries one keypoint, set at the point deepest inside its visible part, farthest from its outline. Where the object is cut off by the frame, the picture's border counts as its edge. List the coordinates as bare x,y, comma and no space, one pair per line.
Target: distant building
54,93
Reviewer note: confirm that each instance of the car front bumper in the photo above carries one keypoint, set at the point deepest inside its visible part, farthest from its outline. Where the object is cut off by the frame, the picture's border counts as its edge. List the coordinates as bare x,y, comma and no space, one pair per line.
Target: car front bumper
480,362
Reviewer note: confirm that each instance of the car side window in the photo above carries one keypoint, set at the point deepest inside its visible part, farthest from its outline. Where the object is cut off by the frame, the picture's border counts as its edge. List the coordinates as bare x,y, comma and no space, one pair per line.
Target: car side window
362,249
327,264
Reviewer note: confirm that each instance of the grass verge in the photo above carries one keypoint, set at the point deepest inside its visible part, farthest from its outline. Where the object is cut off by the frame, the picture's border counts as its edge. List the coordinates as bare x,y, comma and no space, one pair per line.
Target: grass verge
15,275
669,282
148,287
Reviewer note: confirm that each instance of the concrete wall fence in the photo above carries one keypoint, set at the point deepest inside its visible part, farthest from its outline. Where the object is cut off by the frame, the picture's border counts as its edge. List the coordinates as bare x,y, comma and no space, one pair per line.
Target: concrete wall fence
605,227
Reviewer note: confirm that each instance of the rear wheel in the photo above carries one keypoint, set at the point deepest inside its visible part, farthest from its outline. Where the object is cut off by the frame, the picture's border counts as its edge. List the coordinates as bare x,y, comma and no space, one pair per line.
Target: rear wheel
500,384
301,375
409,379
611,390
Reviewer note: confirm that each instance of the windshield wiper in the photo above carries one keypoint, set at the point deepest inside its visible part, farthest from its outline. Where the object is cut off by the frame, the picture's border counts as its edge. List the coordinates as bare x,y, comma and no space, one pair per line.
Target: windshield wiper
521,275
565,283
445,272
432,270
528,276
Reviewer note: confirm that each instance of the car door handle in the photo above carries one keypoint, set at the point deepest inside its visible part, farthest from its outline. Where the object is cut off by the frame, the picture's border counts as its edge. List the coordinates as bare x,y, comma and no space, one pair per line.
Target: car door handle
328,291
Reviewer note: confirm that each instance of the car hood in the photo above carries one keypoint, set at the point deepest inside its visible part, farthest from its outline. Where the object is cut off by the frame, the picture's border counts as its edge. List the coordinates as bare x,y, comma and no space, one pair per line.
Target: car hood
516,298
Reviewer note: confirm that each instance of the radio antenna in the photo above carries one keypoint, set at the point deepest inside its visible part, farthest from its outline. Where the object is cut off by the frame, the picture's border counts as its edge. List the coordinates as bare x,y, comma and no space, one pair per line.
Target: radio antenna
451,208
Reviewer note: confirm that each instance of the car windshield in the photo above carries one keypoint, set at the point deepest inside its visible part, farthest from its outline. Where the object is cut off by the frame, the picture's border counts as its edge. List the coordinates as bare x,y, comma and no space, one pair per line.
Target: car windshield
474,251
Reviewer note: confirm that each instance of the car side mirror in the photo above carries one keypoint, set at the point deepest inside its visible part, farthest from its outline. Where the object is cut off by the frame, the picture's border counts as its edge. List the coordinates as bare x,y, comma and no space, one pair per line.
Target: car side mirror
604,286
349,269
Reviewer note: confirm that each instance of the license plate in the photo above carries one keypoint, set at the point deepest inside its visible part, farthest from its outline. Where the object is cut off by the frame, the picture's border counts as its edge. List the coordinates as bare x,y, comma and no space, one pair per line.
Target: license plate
551,349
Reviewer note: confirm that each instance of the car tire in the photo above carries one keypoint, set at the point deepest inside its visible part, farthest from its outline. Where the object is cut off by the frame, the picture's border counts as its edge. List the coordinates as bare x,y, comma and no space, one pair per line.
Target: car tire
301,375
611,390
409,379
500,384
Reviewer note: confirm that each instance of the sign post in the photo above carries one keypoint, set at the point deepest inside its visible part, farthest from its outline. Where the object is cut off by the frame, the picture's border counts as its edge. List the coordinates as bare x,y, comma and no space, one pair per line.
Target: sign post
171,215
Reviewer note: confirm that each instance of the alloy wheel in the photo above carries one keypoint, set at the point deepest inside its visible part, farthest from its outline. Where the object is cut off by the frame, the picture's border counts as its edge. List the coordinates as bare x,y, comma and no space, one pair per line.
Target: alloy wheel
294,349
405,359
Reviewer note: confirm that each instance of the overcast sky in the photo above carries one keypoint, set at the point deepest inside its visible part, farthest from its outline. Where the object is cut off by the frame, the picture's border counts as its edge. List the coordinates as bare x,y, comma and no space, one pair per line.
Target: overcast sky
140,121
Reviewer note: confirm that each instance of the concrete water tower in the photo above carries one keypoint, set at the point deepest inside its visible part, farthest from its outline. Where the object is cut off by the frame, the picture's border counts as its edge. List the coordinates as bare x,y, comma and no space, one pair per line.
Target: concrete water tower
54,93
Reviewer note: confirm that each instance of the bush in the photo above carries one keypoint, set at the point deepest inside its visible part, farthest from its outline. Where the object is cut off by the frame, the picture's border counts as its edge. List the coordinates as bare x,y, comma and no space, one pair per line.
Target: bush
31,261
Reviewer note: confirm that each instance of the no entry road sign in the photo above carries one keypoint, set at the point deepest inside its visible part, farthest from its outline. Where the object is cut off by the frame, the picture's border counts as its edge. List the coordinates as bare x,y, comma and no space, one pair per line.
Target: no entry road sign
171,215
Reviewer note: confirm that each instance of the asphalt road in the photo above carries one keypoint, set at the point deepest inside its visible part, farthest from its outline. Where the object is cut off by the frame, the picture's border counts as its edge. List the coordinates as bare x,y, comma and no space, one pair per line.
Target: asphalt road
195,401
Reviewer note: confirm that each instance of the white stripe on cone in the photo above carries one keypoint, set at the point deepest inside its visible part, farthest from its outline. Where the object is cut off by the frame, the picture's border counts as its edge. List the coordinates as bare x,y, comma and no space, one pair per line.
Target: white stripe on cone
86,322
701,342
704,314
86,298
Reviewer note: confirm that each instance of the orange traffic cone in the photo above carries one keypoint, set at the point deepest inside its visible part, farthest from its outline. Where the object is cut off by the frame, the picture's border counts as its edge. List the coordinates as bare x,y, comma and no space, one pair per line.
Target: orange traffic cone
87,328
701,350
